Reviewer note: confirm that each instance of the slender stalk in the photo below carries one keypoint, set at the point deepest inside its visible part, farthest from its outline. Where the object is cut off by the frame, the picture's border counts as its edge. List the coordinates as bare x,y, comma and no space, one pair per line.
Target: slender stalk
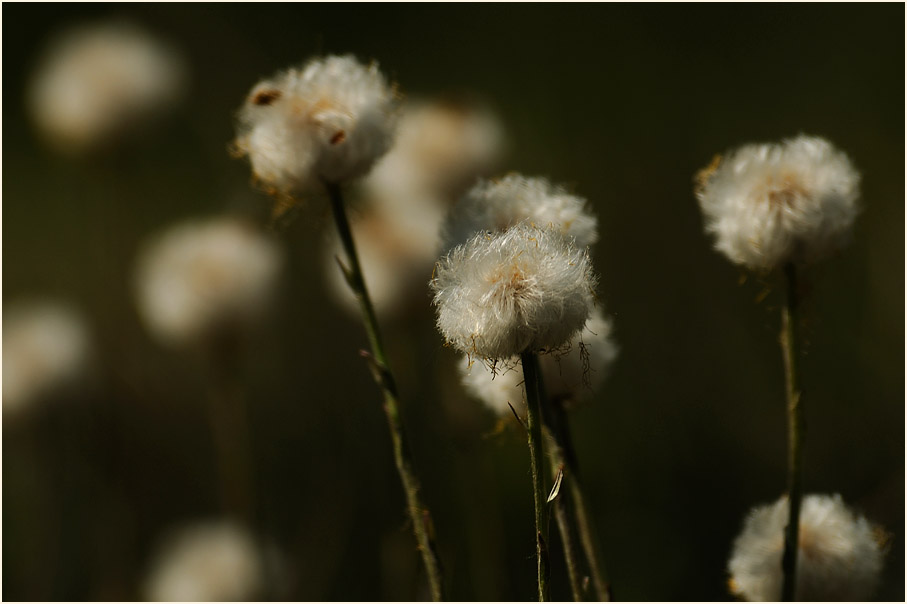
565,530
586,531
534,430
795,433
418,513
560,465
229,423
565,456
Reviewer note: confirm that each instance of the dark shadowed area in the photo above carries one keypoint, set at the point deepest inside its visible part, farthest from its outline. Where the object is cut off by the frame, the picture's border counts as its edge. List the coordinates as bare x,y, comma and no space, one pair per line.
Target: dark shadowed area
622,103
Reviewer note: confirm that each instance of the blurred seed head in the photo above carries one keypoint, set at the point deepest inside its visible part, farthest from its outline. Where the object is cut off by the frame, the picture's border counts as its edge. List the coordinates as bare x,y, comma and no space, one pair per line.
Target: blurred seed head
99,82
770,204
329,120
570,376
501,294
200,277
216,561
839,558
442,146
496,205
46,350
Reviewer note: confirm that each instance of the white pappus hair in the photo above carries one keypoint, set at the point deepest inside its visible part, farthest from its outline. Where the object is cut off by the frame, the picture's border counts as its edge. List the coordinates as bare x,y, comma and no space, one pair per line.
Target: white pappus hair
496,205
570,376
525,289
770,204
329,120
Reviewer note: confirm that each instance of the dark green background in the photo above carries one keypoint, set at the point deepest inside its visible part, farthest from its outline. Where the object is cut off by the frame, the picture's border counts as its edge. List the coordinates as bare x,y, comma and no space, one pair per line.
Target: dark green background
624,103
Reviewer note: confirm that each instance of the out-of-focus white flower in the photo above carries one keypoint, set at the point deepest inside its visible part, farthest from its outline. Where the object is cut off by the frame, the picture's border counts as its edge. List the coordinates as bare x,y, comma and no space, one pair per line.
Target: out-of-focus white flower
98,82
209,562
404,199
441,148
839,558
569,377
46,347
771,204
525,289
496,205
327,121
198,277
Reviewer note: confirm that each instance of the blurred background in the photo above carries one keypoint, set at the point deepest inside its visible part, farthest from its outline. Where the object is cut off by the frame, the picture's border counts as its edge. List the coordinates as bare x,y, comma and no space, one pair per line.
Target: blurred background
623,104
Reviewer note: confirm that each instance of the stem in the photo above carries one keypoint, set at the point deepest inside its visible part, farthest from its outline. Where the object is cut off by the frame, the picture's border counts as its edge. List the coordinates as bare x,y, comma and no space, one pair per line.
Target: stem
796,433
587,537
418,513
229,423
534,429
564,529
565,456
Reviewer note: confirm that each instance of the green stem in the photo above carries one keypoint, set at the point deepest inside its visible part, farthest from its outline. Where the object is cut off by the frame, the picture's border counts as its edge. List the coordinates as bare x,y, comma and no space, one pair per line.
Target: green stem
534,429
418,513
795,433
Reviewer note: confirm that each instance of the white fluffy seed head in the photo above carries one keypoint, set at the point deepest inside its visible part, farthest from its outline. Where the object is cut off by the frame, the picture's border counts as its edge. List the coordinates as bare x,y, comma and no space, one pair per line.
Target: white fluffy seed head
98,82
501,294
839,558
570,376
770,204
329,120
495,205
46,347
199,277
208,562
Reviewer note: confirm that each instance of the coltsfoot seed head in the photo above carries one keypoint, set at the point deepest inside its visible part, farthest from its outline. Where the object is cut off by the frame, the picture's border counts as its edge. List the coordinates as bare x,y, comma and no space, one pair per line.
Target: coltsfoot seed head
496,205
202,276
46,347
98,82
770,204
501,294
215,561
839,558
329,120
571,376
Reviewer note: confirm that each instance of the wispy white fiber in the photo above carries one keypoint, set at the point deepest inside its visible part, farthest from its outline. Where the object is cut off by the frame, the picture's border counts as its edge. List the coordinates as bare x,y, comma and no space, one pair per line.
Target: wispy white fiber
329,120
840,553
770,204
502,294
496,205
570,377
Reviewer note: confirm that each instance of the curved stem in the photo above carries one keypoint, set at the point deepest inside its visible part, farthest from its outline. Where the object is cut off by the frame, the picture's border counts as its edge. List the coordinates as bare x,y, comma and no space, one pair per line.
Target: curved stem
418,513
795,432
534,430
